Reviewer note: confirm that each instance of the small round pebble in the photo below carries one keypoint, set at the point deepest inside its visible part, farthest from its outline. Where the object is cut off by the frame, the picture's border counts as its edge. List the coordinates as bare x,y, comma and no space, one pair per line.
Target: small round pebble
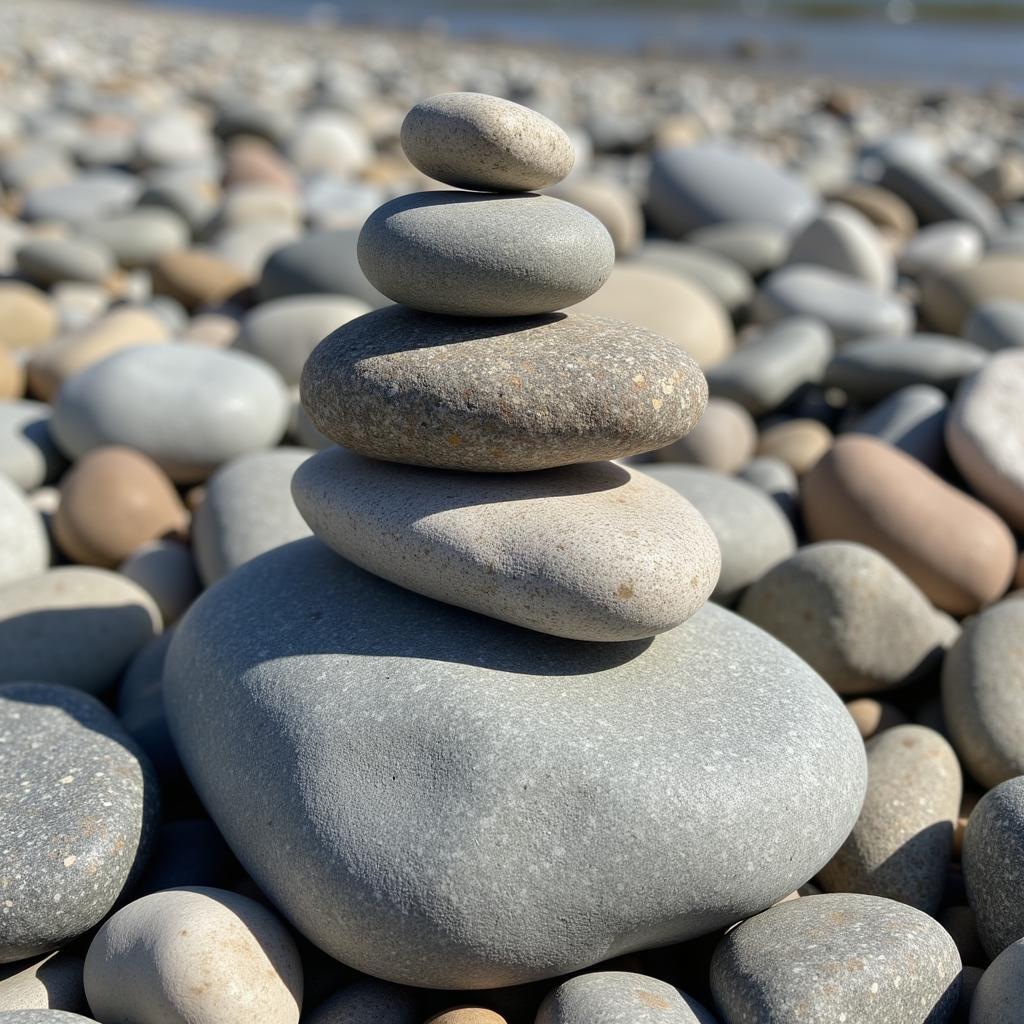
724,439
801,443
369,1001
619,997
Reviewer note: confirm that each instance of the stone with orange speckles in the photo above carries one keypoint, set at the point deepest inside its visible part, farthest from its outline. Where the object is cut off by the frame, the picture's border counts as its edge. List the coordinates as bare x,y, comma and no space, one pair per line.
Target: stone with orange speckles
618,997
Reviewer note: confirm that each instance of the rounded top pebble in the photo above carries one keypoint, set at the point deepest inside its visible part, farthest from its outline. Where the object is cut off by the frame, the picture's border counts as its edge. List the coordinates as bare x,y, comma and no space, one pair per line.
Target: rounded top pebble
475,141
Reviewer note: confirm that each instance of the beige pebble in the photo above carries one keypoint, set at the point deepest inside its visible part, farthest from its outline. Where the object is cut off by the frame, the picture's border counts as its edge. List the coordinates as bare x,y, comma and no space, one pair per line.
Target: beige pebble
800,443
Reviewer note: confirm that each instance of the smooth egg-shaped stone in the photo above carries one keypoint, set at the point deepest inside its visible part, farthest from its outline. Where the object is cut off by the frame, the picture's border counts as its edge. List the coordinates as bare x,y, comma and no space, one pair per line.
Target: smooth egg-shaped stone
188,408
838,958
28,454
499,396
433,806
24,548
724,439
53,981
844,240
472,140
473,254
620,997
591,552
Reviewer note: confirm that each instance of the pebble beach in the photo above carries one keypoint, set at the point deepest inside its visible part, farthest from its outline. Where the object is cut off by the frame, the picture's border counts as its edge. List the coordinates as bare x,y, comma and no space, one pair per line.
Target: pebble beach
496,533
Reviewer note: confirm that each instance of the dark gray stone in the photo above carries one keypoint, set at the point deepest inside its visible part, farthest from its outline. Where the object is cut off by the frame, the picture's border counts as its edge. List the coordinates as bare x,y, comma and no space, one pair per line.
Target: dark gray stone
619,997
370,1001
913,419
415,788
47,261
777,479
999,995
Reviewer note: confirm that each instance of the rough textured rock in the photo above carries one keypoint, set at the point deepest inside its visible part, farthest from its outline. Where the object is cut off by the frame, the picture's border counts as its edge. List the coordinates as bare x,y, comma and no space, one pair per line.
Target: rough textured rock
724,439
44,1017
839,957
194,954
851,615
912,419
81,800
24,548
247,509
639,560
614,205
53,982
999,995
492,713
618,997
472,140
902,843
479,254
982,679
73,625
955,549
499,396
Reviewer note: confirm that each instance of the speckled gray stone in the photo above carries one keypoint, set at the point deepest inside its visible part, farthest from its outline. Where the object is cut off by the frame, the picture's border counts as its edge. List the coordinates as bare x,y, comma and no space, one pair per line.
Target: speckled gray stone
498,396
851,615
753,534
695,186
247,509
767,370
724,278
45,261
985,434
369,1001
76,816
53,982
592,552
839,958
993,865
871,368
913,419
28,454
188,408
323,261
996,324
999,995
434,806
472,140
982,681
73,625
43,1017
474,254
850,308
902,844
619,997
24,547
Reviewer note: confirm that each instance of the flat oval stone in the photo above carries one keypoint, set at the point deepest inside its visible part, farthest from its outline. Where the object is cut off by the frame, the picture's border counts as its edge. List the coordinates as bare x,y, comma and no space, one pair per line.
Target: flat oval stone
404,745
73,625
993,859
999,996
141,236
28,455
799,442
188,408
726,280
985,434
869,369
939,247
834,958
851,615
948,298
982,678
197,277
842,239
499,396
619,997
696,186
247,509
81,801
902,844
850,308
24,548
996,324
91,195
46,261
753,535
890,214
954,548
639,560
473,254
472,140
757,247
53,981
912,419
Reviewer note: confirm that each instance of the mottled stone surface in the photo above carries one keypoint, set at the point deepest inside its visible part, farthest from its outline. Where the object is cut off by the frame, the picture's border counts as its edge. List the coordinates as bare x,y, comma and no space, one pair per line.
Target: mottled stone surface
837,958
44,1017
500,395
993,864
902,844
851,615
478,254
24,548
291,706
591,552
76,815
52,982
472,140
982,681
619,997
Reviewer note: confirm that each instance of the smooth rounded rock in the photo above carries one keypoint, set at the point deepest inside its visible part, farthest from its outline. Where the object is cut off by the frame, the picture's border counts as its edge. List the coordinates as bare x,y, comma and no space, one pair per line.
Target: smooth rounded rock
723,439
890,214
851,615
839,957
24,548
799,442
188,408
27,317
369,1001
912,419
467,1015
940,247
757,247
91,195
874,716
499,396
948,298
999,995
777,479
726,280
619,997
141,236
985,434
73,625
12,376
481,255
753,534
194,954
248,509
640,559
843,240
902,843
612,204
196,277
54,982
996,324
28,455
78,816
955,549
493,713
46,261
166,570
475,141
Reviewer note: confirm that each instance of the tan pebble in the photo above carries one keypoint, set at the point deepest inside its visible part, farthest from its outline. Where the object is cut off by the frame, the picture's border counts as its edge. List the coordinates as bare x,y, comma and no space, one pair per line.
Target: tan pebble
800,443
214,330
724,439
874,716
254,161
467,1015
883,208
12,376
114,500
196,277
947,299
27,317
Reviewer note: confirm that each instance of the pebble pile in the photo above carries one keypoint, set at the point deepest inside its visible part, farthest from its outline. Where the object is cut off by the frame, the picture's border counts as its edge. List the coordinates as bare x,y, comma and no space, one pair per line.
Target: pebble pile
544,553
